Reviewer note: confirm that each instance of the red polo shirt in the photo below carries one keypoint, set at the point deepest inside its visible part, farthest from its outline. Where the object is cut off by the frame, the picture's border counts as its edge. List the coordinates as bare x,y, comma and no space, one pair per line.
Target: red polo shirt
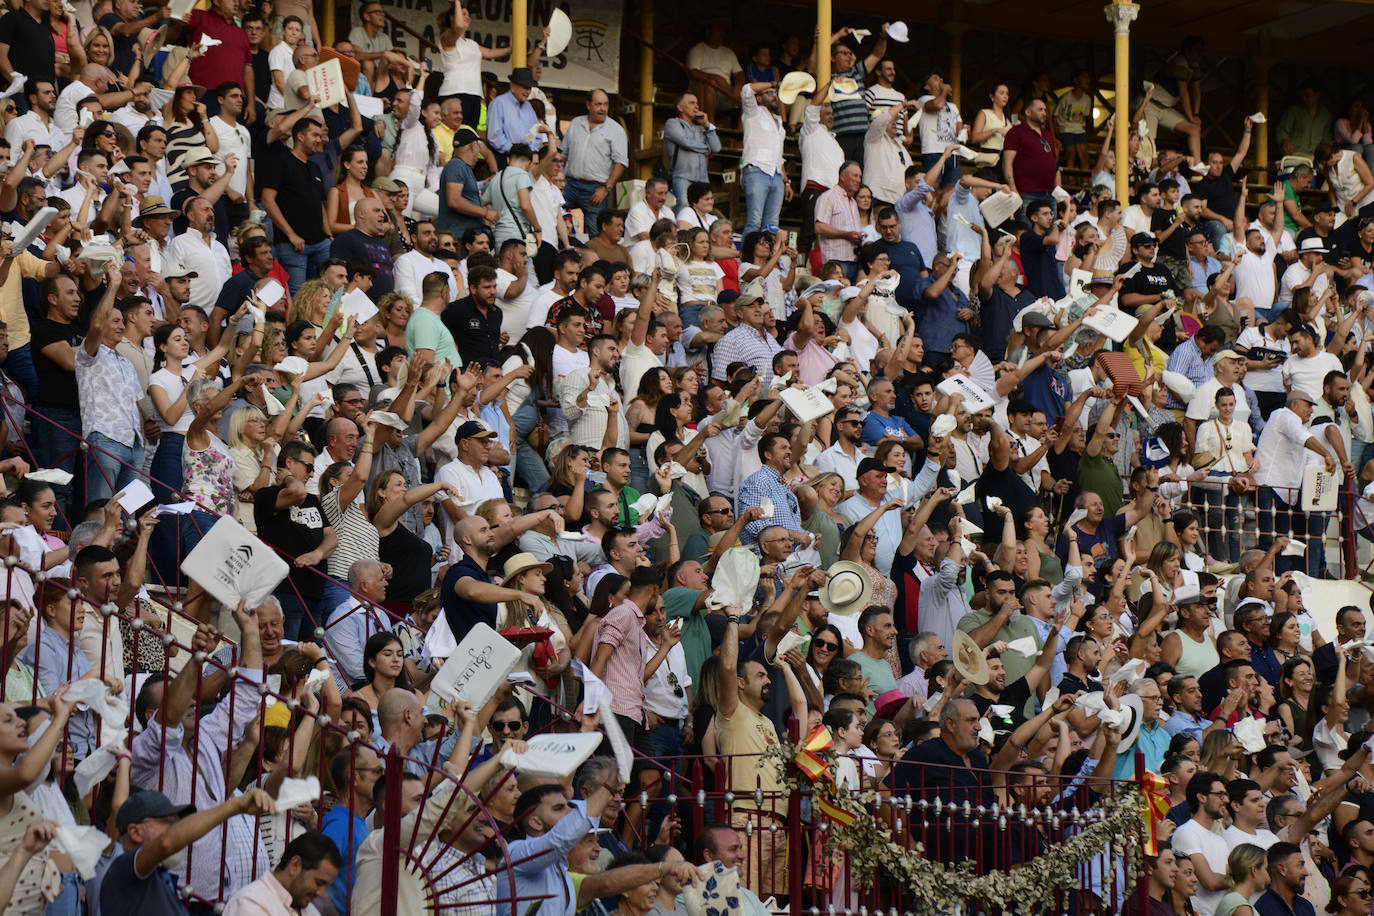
224,62
1036,160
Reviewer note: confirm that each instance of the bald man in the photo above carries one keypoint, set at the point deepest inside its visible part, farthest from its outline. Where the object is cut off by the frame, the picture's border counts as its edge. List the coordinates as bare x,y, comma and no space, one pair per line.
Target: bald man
94,80
367,241
340,444
469,594
402,718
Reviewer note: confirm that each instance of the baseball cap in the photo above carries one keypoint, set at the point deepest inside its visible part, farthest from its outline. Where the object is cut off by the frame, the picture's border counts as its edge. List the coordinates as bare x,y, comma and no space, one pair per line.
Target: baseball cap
387,418
173,271
1228,353
464,135
870,464
1143,238
750,293
141,806
473,429
385,184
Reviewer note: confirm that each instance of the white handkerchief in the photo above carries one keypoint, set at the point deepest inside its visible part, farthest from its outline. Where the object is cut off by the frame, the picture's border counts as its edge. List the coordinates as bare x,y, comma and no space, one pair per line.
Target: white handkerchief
1130,672
593,690
1001,711
295,792
985,732
84,845
16,85
1024,646
31,547
766,505
50,475
93,770
1295,548
790,640
1250,733
624,757
89,692
1051,697
1258,117
520,677
316,676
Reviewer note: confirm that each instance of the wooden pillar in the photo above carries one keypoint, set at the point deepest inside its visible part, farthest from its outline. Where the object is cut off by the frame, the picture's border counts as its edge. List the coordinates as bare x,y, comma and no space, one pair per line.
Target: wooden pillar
646,80
519,27
824,29
1121,14
955,31
329,25
1262,64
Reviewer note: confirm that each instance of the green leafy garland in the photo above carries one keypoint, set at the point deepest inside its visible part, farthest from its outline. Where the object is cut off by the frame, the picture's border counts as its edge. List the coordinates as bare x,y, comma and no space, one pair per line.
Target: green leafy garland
1030,887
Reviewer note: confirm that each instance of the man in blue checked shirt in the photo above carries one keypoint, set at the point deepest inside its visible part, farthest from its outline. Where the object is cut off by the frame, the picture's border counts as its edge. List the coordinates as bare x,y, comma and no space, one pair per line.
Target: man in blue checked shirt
775,451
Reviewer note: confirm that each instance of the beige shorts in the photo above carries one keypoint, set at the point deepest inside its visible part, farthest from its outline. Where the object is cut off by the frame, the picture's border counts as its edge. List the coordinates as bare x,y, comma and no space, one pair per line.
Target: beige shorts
1157,116
765,852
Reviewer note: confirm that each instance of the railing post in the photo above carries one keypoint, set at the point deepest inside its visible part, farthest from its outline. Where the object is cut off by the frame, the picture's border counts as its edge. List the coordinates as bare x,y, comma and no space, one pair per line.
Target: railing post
1143,890
1349,550
391,825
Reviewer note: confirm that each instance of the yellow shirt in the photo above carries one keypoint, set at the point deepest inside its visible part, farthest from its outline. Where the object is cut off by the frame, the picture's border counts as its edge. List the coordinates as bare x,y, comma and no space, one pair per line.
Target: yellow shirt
1158,358
16,319
747,732
443,140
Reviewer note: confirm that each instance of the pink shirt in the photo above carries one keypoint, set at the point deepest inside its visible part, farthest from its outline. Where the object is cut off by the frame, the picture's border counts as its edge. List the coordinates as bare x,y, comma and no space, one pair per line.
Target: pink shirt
838,210
623,628
813,360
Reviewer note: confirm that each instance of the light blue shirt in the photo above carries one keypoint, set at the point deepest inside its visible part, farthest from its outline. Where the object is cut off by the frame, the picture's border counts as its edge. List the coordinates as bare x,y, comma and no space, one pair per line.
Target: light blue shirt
541,869
1154,741
766,482
959,237
918,220
889,526
492,416
508,123
346,633
1182,723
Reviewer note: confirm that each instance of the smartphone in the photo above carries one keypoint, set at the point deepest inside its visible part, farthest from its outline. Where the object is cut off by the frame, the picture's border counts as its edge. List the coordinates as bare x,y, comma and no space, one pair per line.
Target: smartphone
792,239
1059,426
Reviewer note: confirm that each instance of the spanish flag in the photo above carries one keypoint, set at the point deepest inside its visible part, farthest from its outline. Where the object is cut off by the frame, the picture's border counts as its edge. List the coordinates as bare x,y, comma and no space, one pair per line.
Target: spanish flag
833,811
1155,806
809,758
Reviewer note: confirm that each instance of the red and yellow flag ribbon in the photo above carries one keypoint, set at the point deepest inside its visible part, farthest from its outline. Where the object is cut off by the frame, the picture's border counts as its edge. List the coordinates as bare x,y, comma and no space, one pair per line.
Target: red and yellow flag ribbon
1154,806
833,811
809,758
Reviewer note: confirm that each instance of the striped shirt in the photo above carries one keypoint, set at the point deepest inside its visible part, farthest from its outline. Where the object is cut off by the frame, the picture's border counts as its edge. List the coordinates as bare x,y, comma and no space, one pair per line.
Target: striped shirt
623,629
358,538
879,98
837,209
851,115
746,345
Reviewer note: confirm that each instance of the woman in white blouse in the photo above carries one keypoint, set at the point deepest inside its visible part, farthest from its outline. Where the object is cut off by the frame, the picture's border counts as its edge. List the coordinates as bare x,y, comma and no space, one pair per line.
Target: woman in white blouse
417,153
167,388
461,58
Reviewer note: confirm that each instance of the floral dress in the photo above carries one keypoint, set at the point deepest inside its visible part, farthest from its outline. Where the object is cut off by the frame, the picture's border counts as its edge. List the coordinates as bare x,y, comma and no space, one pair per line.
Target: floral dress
209,476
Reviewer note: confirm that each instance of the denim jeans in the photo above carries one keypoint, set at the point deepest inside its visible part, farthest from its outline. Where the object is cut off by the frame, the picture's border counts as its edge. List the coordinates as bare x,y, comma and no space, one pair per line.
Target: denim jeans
166,469
296,623
529,467
578,196
1218,236
1223,521
301,265
690,315
54,447
949,174
762,198
110,466
679,187
1276,518
19,365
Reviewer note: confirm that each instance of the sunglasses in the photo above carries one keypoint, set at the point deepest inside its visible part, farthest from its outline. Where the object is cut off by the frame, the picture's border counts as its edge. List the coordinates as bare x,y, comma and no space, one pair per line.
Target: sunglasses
825,646
507,726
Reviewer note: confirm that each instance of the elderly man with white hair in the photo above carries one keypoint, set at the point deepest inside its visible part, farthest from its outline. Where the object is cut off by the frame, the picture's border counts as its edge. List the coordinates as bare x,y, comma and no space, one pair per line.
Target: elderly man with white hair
354,621
93,80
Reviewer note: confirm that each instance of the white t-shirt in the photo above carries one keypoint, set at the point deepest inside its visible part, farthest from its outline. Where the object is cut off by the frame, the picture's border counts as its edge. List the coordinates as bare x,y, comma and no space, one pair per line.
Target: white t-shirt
937,129
1134,219
697,281
233,138
1263,379
279,60
1296,273
641,219
474,487
515,313
1203,406
719,61
564,362
634,362
1190,839
544,298
172,384
1301,374
1234,836
1255,278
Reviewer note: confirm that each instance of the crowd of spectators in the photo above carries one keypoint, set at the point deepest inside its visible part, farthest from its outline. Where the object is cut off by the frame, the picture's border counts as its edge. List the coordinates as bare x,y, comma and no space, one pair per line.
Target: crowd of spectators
1022,465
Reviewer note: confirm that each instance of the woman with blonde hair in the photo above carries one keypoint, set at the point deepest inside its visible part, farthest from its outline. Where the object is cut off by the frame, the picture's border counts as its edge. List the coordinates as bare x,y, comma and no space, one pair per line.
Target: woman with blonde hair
396,311
1245,866
818,497
99,47
253,442
1221,754
311,303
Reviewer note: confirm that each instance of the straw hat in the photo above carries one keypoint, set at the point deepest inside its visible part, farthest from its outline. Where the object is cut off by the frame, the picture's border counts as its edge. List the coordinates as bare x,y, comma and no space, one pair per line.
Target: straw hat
848,589
522,563
969,659
794,84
